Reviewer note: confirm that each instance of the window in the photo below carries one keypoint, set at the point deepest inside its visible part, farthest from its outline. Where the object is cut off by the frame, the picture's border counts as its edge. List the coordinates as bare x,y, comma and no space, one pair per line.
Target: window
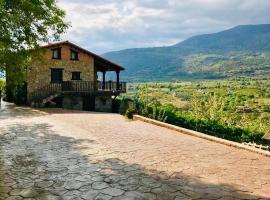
74,55
56,53
76,76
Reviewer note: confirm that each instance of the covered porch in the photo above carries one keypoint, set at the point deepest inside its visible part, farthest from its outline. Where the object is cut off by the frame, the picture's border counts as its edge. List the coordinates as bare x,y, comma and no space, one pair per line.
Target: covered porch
103,67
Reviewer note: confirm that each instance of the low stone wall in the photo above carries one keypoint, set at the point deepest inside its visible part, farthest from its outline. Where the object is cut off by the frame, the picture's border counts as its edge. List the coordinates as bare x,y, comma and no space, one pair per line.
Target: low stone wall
201,135
103,103
72,102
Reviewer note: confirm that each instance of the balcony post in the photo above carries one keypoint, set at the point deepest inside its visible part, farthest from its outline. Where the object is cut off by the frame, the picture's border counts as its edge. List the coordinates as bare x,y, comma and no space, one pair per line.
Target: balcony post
117,80
103,79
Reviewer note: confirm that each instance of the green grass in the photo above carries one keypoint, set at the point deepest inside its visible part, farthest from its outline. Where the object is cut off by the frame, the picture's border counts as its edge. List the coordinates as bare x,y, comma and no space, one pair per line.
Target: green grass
246,101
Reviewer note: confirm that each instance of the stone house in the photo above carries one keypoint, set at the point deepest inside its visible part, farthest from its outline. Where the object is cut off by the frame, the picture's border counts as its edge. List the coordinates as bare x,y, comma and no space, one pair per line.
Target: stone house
67,75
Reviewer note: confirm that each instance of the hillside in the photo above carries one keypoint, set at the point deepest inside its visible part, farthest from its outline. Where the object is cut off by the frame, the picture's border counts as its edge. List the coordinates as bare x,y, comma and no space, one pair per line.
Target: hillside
240,51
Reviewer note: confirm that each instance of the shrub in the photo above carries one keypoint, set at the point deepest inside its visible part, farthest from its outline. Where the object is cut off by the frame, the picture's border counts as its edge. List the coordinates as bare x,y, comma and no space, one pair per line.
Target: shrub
130,112
2,88
123,106
20,94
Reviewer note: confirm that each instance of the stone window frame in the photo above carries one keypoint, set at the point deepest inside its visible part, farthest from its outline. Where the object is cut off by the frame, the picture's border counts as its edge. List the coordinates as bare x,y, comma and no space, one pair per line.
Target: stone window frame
76,75
58,55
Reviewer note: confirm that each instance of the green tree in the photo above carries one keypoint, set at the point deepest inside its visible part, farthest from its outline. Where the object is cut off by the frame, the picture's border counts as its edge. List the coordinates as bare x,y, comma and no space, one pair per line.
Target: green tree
24,24
2,87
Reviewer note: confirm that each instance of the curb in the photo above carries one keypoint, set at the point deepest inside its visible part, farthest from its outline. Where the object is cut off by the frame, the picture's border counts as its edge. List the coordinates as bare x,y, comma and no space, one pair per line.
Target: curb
201,135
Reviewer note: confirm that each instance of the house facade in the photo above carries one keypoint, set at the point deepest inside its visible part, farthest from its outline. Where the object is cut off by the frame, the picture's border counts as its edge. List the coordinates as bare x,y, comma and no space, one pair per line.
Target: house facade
67,75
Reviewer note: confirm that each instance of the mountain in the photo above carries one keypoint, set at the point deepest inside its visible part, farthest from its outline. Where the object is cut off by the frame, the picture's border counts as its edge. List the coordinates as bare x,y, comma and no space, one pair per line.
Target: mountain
240,51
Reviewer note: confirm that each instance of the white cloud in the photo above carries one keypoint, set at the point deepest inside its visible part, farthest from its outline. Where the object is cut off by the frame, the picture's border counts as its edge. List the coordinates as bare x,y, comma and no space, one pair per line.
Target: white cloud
105,25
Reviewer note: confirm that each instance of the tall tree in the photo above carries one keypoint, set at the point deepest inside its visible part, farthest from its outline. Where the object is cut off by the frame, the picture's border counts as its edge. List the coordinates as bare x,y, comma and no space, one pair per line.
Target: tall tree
23,25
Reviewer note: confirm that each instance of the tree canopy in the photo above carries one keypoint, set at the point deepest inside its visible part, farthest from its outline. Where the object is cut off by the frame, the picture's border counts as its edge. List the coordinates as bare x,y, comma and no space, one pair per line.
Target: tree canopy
23,25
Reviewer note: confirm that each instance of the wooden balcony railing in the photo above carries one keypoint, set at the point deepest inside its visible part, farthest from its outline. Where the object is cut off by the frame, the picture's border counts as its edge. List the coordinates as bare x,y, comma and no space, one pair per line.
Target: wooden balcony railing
76,86
45,92
88,86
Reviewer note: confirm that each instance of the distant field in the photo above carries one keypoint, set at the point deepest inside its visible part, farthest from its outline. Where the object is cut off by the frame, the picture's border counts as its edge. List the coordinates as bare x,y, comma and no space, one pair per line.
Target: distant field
252,93
243,103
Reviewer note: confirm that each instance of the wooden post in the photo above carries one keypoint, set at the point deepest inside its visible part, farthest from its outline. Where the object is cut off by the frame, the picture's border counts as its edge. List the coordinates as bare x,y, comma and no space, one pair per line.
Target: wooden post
117,79
110,85
103,80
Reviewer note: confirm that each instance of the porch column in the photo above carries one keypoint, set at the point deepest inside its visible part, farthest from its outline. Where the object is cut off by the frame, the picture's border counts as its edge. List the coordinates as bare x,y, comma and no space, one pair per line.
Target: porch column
103,80
117,79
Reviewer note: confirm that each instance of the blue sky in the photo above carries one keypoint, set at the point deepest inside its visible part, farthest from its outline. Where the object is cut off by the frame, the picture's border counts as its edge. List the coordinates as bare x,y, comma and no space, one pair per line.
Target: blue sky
109,25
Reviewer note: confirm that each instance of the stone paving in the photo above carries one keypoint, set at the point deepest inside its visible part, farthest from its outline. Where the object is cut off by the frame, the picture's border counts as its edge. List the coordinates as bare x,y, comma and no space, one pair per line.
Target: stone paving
66,155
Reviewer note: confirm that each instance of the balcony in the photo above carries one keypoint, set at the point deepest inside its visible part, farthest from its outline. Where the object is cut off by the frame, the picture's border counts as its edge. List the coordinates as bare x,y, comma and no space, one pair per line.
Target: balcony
93,86
88,87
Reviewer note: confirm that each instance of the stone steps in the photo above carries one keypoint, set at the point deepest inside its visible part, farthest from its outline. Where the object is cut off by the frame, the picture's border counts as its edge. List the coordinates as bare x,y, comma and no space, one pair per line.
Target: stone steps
41,104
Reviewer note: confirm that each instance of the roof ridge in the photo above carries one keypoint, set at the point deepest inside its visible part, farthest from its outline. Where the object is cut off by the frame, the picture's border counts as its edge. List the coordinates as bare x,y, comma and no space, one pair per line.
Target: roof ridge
82,49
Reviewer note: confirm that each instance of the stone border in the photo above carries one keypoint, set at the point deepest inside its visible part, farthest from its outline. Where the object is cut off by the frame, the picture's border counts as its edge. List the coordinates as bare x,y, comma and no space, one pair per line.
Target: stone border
201,135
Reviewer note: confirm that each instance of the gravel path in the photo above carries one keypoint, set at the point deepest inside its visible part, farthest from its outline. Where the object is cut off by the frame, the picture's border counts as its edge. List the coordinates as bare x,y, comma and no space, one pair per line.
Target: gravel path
57,154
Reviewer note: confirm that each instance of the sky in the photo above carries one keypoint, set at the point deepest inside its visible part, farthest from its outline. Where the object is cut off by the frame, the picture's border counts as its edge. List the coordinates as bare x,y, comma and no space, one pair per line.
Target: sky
110,25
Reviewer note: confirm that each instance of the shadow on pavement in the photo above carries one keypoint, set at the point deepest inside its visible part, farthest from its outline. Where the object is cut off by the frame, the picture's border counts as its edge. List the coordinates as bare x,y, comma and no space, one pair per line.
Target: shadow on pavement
40,164
12,111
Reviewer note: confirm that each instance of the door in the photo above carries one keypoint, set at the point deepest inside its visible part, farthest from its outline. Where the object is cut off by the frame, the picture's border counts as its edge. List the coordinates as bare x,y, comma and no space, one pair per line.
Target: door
56,75
89,103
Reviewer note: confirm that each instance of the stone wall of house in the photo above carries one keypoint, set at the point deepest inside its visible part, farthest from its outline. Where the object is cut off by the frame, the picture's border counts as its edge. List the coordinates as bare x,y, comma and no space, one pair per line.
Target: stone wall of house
72,102
39,71
103,104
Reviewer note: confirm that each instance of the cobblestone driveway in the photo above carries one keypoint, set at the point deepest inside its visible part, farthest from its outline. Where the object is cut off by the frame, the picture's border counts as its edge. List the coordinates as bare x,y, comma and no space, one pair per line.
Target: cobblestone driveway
80,155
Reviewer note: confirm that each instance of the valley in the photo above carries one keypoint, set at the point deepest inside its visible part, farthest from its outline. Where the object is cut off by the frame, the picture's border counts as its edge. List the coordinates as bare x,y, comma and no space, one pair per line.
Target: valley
226,107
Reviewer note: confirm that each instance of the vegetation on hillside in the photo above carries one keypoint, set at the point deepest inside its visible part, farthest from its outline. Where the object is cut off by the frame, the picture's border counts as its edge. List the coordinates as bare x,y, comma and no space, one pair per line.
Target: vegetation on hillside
238,110
228,65
243,51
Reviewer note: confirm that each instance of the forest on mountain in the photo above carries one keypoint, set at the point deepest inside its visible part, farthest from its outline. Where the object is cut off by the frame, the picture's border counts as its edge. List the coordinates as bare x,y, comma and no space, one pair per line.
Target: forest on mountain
243,51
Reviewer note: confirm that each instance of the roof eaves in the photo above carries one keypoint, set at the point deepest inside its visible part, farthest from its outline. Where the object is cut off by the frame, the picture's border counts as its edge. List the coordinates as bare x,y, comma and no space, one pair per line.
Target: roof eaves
85,50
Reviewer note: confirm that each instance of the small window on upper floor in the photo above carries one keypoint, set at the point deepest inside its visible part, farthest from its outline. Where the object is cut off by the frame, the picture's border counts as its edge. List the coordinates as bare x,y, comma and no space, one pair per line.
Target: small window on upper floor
76,76
74,55
56,53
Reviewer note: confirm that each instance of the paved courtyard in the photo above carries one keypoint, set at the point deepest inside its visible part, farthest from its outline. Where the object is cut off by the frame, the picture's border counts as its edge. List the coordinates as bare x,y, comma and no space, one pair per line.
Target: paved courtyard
55,154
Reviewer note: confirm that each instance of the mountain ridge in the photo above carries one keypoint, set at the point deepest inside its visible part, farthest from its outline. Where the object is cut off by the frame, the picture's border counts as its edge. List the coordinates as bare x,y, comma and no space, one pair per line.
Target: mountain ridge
211,53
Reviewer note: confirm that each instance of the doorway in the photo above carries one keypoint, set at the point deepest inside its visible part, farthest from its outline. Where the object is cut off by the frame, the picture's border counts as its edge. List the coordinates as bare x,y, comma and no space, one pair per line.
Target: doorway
89,103
56,75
